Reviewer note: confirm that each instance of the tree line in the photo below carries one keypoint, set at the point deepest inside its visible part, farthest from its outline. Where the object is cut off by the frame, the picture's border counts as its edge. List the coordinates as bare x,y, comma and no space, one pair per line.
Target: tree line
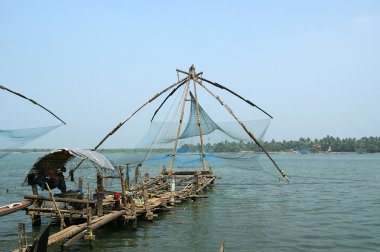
303,145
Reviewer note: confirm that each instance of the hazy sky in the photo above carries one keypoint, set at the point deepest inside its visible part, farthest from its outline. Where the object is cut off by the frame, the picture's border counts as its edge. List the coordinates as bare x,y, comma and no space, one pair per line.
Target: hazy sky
313,65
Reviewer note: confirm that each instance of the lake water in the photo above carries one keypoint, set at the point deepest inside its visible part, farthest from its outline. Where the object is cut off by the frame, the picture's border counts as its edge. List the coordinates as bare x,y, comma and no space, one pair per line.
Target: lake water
332,204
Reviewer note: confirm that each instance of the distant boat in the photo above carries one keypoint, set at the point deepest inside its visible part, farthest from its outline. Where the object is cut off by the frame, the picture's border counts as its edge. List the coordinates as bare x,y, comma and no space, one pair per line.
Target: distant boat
14,207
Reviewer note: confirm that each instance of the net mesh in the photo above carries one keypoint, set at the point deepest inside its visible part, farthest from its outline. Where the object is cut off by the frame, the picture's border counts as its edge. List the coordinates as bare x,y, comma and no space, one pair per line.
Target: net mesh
22,121
225,143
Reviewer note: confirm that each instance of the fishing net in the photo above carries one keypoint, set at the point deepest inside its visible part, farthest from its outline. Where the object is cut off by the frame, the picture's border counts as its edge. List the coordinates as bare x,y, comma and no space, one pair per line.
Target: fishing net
16,138
225,143
22,121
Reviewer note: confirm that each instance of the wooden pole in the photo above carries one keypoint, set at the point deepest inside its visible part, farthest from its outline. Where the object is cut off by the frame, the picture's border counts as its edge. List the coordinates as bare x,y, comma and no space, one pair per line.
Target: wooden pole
229,90
149,214
127,178
99,194
179,126
21,236
137,175
123,197
80,184
192,73
137,110
63,226
133,212
102,220
57,199
170,94
221,246
36,218
237,95
282,172
32,101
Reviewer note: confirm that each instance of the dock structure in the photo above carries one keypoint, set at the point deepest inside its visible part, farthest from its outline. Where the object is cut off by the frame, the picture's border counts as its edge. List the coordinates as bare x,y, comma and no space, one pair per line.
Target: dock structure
143,201
175,144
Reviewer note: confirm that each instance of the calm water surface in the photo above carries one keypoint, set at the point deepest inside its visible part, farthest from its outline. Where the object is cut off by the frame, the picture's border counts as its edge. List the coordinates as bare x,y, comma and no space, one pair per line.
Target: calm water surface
332,204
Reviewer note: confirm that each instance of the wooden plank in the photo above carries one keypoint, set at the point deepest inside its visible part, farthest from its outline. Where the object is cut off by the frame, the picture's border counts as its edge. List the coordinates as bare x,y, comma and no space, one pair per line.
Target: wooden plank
58,199
105,219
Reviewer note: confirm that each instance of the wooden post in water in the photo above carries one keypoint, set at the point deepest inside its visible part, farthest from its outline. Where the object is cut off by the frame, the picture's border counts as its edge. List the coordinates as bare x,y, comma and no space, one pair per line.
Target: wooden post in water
89,235
36,218
149,213
80,184
137,175
21,236
146,177
194,187
99,195
133,211
127,178
123,196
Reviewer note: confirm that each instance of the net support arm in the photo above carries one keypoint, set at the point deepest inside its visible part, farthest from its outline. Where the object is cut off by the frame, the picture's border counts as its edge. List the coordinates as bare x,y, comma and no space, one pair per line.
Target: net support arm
236,94
170,94
282,172
32,101
137,110
167,97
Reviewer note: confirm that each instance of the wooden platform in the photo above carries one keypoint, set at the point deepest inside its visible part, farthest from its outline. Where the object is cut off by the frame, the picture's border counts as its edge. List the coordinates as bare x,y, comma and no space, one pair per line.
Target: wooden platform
144,200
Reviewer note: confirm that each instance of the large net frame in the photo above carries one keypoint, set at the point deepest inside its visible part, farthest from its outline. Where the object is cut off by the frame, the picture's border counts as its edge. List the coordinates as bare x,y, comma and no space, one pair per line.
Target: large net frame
15,114
191,138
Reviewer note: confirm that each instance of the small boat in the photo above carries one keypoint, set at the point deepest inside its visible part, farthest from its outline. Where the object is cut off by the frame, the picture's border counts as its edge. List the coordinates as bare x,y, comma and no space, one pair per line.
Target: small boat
14,207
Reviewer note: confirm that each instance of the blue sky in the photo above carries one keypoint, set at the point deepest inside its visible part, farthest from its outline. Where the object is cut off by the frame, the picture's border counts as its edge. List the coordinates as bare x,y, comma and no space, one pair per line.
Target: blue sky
313,65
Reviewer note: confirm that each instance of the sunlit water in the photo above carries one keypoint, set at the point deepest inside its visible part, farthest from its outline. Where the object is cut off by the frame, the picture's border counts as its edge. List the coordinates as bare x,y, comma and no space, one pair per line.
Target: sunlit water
332,204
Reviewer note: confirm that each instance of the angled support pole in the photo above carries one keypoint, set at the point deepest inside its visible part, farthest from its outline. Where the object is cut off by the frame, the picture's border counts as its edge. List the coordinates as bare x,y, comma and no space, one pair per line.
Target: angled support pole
167,97
32,101
282,172
179,126
137,110
237,95
193,76
170,94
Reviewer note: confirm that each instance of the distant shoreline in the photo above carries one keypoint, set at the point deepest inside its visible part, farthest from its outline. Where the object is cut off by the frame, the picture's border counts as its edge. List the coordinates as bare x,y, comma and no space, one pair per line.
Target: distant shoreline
134,150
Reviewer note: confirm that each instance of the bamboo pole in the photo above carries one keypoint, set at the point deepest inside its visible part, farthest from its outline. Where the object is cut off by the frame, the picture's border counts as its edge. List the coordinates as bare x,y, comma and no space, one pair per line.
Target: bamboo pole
32,101
137,110
99,195
192,73
282,172
136,178
171,93
229,90
179,126
100,222
123,197
237,95
127,177
36,218
167,97
63,226
57,199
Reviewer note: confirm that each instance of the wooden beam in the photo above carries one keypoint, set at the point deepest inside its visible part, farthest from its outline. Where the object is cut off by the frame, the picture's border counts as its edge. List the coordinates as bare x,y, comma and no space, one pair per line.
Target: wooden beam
57,199
282,172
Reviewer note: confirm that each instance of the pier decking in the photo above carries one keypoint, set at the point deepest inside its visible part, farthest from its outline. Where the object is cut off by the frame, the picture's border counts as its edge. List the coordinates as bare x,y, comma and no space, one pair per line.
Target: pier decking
143,201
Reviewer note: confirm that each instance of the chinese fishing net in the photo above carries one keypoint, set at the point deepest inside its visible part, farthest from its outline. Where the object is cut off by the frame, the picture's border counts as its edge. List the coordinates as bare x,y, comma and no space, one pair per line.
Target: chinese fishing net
21,121
225,143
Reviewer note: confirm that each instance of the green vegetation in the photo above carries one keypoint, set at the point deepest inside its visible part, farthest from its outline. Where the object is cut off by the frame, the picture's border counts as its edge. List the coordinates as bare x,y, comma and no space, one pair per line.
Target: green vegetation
326,144
306,145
